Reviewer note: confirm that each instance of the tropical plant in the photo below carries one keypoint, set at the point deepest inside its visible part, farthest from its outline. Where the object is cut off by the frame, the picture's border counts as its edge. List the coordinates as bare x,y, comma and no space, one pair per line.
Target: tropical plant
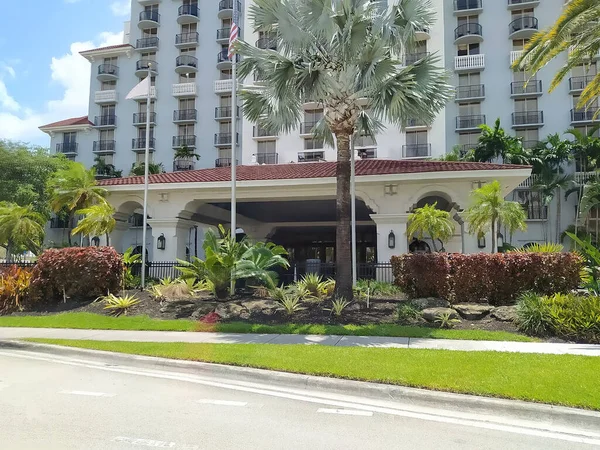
184,152
73,189
98,219
130,260
21,228
290,303
574,33
347,57
14,287
445,320
314,284
435,222
104,169
338,305
279,293
591,273
495,143
153,169
549,184
177,289
258,261
119,305
585,147
532,316
456,154
488,207
407,313
547,247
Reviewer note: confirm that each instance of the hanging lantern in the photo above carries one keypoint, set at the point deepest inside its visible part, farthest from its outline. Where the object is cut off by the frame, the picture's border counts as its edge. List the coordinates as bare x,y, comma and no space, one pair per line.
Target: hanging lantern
481,240
96,241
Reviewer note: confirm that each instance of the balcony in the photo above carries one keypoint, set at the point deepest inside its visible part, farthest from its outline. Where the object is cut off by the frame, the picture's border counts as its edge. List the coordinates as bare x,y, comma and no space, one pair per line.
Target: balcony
186,64
260,133
182,165
578,84
185,90
223,35
104,147
144,65
101,97
187,40
184,141
108,72
140,119
422,34
528,119
307,128
224,140
412,58
226,9
267,158
521,4
469,93
223,61
523,27
105,121
468,33
185,115
472,122
223,86
224,113
583,115
267,43
416,150
311,156
149,19
223,162
469,63
67,148
466,7
143,98
532,88
147,43
139,145
188,14
536,212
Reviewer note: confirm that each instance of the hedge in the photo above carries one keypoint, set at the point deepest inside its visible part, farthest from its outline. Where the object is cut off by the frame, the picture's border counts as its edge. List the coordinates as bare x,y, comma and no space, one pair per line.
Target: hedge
497,279
79,273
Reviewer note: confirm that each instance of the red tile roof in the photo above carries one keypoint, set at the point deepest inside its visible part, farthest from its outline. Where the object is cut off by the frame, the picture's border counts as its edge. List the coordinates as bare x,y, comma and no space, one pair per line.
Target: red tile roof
110,47
69,122
308,170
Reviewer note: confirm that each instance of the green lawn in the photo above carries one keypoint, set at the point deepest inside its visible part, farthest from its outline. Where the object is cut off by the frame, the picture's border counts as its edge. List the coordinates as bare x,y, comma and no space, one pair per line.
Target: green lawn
557,379
101,322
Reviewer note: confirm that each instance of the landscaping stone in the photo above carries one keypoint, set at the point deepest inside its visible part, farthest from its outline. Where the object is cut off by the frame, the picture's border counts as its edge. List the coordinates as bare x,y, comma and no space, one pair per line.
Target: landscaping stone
202,309
179,308
232,311
430,302
431,314
505,313
473,311
261,307
354,306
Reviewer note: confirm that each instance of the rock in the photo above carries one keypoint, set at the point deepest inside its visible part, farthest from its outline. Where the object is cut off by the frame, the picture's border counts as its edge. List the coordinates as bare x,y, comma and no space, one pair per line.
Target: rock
261,307
202,309
232,311
354,306
430,302
179,308
472,311
505,313
431,314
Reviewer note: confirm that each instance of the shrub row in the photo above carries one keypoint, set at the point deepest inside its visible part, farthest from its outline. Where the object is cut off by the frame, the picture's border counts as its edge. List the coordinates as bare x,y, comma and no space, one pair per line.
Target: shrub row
497,279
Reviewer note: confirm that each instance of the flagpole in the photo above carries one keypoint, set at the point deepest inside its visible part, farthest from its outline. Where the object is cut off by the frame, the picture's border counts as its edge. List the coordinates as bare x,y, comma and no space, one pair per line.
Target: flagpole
146,164
353,207
233,129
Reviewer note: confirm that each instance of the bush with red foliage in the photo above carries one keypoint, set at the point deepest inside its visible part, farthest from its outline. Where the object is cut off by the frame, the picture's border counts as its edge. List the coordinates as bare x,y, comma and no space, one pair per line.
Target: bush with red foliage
211,318
497,279
79,273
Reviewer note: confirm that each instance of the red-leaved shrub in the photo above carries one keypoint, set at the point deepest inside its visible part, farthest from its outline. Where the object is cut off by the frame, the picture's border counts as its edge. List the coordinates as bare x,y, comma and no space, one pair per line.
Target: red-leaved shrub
482,277
79,273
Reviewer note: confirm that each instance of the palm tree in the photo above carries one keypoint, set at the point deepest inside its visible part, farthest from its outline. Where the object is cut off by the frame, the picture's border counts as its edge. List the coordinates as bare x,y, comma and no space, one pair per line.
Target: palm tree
184,152
347,57
585,148
435,222
21,228
495,143
576,32
74,188
153,169
99,219
488,208
549,184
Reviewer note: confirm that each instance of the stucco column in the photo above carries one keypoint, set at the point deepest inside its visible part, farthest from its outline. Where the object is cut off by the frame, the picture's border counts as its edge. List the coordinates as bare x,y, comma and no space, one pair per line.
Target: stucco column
386,223
176,233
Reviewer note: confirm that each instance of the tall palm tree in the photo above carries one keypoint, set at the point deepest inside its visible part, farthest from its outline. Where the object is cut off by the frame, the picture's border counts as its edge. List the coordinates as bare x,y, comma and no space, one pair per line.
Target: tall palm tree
99,219
21,228
488,208
553,152
347,57
576,32
74,188
496,143
549,184
432,221
585,148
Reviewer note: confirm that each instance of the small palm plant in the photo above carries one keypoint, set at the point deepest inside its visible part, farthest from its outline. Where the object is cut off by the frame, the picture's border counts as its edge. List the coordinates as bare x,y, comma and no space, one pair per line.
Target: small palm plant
431,221
98,219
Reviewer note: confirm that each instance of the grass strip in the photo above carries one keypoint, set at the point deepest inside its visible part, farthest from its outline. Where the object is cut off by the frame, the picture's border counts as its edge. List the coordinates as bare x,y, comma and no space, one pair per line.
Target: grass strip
566,380
144,323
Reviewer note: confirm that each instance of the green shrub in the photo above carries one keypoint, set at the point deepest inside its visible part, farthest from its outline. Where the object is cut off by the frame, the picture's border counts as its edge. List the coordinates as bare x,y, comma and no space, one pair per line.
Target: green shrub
314,284
407,313
376,289
532,314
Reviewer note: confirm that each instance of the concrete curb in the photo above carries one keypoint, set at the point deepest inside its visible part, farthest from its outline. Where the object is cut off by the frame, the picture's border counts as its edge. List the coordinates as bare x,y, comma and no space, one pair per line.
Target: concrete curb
521,410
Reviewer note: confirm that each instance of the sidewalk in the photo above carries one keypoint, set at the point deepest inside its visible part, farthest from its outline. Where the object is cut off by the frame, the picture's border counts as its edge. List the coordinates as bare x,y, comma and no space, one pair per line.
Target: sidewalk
340,341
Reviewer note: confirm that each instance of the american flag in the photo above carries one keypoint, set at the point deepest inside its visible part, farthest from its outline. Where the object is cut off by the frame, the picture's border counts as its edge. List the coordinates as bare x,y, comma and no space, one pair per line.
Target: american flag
233,35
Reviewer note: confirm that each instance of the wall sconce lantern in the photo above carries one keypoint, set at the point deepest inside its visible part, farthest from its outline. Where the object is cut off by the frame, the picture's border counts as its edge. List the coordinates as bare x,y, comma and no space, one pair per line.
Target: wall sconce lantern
96,241
391,240
161,242
481,240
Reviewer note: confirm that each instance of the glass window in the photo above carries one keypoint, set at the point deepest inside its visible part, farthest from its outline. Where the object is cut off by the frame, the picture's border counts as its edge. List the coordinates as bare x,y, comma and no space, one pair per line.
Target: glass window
312,144
266,147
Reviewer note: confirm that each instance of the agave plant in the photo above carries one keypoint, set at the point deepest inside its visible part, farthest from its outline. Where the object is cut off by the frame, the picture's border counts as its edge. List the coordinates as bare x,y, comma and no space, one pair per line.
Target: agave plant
338,306
119,305
547,247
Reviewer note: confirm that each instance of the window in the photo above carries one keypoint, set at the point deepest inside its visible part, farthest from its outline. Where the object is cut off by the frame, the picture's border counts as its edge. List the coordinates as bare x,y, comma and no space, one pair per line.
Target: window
149,55
107,135
107,110
416,137
187,77
468,19
225,74
469,109
311,156
187,103
469,79
525,105
529,137
313,144
149,32
189,28
140,158
468,49
187,51
364,141
112,61
69,138
532,203
225,127
186,130
151,8
106,159
521,76
519,13
468,140
142,132
142,107
584,70
108,85
225,101
264,147
226,23
225,153
519,44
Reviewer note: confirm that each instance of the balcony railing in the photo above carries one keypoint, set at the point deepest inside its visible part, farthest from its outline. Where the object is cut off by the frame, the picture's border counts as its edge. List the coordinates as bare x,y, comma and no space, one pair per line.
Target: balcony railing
224,138
108,120
67,147
140,118
104,146
307,127
151,16
528,117
536,212
223,112
469,62
180,115
267,43
187,38
267,158
311,156
262,132
526,87
180,165
228,4
416,150
223,86
584,115
463,5
108,69
184,90
188,10
523,23
223,33
580,83
140,143
412,58
148,42
184,141
145,64
467,29
223,56
187,61
105,96
223,162
473,121
471,91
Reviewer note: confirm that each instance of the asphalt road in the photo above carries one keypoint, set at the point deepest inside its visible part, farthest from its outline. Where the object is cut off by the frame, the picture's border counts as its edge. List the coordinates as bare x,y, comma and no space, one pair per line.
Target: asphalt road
51,402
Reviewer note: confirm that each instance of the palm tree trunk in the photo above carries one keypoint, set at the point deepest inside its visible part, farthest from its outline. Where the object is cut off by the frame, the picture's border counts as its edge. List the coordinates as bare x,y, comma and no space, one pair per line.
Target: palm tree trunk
433,242
558,214
343,238
107,240
494,237
69,221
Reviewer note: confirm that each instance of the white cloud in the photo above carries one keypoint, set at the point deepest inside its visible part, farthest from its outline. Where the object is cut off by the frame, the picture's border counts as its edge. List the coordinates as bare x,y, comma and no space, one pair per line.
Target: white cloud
72,73
121,7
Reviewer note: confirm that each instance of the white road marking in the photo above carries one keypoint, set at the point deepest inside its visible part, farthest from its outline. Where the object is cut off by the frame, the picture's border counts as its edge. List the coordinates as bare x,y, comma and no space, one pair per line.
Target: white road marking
222,402
539,430
88,393
345,412
154,443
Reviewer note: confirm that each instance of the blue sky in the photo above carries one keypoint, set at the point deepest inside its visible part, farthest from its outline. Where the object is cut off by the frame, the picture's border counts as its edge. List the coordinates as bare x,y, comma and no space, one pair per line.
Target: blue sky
42,76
